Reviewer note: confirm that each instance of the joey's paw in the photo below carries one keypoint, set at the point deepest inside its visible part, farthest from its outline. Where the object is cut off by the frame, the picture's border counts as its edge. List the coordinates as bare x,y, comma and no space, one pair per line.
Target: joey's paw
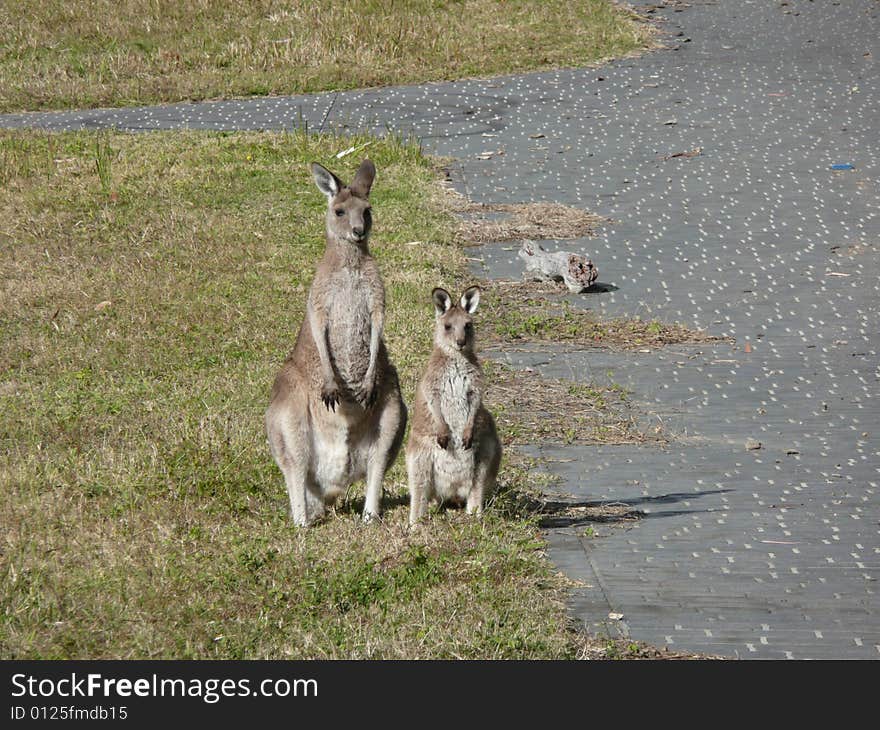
443,439
368,396
467,440
330,397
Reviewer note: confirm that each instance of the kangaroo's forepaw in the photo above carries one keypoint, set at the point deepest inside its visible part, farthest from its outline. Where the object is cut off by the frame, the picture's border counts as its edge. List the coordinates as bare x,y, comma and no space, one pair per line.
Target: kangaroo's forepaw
330,397
368,396
443,440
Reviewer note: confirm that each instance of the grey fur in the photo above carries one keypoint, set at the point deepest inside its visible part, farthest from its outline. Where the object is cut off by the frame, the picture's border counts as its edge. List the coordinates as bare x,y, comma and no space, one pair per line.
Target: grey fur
336,414
453,453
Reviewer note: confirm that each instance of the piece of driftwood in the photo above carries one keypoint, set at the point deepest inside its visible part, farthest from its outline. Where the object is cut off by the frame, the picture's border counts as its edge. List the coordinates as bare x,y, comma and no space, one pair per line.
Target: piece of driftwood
576,271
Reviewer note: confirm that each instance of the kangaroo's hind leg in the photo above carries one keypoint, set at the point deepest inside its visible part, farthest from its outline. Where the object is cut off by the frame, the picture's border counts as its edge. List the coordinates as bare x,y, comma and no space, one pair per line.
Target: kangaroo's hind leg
316,508
383,449
420,473
291,446
485,472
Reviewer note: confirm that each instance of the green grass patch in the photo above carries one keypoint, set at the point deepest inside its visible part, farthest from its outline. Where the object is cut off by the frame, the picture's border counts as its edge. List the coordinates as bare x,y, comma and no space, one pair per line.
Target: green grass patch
530,408
86,53
525,311
152,286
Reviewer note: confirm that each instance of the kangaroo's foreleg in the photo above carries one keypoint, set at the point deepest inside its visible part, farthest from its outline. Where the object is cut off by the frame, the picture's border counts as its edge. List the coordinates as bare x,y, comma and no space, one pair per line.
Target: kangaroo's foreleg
321,336
474,400
441,428
369,391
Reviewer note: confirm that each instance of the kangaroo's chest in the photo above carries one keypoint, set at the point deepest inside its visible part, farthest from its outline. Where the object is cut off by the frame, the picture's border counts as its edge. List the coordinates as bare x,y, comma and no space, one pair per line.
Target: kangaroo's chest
456,389
349,307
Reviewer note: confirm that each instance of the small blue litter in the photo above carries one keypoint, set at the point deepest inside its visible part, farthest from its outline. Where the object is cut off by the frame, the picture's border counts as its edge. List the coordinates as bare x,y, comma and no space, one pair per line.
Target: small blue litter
843,166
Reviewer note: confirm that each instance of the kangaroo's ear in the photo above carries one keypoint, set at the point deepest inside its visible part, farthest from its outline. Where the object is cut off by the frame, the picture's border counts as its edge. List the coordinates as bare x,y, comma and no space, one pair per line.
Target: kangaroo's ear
470,300
363,179
442,301
326,181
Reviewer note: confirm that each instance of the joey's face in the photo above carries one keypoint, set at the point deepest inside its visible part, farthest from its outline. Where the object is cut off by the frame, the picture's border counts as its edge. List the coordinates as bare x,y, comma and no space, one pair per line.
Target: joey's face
455,330
454,324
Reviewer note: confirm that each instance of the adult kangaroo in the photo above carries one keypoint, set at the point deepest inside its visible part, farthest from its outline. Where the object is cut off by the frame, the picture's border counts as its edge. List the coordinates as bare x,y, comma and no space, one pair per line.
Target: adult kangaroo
336,414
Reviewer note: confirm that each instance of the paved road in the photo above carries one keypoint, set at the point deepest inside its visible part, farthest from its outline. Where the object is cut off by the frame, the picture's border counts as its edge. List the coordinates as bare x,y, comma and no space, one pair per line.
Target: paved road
762,553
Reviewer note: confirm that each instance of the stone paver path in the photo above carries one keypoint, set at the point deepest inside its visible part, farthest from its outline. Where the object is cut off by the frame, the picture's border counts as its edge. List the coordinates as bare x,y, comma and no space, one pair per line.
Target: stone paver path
763,553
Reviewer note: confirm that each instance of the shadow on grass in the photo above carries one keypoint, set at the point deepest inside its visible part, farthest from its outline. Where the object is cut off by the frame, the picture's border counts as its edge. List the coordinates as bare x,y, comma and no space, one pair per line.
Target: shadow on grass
552,513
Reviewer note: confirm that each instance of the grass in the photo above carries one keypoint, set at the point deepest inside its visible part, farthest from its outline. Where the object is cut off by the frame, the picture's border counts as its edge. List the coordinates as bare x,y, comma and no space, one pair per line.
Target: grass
530,408
86,53
497,222
519,312
152,285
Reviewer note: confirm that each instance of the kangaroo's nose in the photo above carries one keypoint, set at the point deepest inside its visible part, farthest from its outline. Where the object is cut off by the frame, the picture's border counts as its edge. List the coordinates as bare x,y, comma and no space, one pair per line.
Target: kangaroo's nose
357,230
460,341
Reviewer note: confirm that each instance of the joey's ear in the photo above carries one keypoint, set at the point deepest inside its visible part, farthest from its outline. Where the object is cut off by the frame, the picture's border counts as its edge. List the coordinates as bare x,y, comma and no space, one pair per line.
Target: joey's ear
470,300
442,301
363,179
326,181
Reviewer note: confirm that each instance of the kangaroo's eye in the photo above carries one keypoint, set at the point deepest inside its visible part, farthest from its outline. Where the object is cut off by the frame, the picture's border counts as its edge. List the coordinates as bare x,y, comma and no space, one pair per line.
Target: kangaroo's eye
469,326
339,212
448,327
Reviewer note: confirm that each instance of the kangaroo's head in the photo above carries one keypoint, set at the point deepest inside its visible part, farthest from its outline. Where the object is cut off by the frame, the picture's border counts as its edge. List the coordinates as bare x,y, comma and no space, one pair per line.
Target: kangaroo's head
454,328
348,206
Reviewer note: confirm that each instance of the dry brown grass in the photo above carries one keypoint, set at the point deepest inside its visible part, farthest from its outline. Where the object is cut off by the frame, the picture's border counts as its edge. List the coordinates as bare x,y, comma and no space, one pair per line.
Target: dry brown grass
85,53
595,648
532,409
519,312
499,222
